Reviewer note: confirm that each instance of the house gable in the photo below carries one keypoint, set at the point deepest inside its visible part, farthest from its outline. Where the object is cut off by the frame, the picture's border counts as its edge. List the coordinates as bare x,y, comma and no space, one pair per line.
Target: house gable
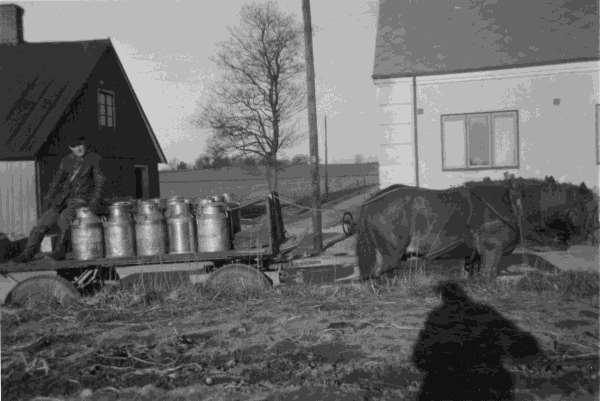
129,143
131,136
48,102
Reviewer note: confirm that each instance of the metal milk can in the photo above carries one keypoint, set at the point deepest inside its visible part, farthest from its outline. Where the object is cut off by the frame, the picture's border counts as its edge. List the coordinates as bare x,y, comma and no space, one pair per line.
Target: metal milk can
119,232
162,204
213,227
202,202
150,229
86,235
181,227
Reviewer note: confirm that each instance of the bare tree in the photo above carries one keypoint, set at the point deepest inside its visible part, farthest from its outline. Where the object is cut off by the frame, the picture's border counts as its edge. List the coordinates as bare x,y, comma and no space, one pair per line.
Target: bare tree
202,162
252,108
217,152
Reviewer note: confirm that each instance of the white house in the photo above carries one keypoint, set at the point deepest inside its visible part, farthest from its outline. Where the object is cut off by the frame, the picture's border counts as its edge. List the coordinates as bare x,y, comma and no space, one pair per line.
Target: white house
469,89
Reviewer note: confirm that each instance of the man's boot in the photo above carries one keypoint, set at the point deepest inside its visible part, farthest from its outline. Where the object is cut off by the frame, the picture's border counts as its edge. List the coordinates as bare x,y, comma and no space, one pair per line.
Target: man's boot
33,243
61,247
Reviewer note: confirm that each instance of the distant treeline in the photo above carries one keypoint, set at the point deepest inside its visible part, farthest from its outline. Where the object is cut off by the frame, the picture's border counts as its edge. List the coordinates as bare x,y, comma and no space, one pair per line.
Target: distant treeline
212,161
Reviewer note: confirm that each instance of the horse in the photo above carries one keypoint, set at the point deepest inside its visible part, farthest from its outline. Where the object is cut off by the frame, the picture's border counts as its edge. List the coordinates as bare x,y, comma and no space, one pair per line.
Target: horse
479,222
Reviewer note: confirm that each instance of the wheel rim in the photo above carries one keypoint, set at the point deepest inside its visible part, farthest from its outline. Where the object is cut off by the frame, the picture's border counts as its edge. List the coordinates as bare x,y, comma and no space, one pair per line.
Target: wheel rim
238,279
43,289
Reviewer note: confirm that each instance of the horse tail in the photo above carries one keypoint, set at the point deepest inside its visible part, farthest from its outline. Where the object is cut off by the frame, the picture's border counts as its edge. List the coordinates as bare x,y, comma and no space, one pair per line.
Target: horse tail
365,247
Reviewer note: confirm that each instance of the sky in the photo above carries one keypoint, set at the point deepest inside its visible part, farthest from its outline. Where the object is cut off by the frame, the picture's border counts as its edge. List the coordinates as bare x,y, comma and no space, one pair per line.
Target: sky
166,46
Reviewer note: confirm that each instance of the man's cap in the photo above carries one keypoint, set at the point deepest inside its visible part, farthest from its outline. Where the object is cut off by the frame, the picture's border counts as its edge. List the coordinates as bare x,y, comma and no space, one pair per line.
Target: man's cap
77,141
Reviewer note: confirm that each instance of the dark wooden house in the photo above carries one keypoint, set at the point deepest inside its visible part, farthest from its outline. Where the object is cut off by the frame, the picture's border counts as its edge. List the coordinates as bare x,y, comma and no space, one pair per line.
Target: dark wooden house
52,92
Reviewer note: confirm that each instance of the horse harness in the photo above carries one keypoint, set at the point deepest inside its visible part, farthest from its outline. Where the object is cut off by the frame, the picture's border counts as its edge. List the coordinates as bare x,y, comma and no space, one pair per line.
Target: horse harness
517,209
473,262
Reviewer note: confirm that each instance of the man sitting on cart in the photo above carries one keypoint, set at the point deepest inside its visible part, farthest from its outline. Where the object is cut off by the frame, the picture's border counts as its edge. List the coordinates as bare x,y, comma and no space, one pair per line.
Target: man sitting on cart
78,182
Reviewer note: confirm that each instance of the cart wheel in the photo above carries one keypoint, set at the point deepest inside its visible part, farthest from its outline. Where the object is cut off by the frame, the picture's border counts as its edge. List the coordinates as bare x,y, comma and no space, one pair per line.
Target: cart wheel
348,224
238,279
44,289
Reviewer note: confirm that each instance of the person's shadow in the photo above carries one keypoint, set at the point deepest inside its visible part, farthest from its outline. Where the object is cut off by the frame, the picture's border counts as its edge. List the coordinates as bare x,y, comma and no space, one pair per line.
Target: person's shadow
461,348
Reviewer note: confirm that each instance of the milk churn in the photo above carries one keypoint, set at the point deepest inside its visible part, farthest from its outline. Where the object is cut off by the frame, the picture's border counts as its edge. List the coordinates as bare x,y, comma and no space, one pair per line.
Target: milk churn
162,204
86,235
180,224
213,228
201,203
119,232
218,198
150,229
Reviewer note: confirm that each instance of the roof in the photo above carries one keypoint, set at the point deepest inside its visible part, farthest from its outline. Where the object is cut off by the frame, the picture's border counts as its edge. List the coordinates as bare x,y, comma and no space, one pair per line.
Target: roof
37,86
423,37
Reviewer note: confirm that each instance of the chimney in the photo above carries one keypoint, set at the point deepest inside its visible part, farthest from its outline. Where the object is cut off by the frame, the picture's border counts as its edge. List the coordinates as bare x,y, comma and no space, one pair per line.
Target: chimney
11,24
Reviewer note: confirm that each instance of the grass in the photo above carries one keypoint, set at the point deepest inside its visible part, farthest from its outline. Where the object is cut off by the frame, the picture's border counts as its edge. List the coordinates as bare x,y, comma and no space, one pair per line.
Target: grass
415,280
566,284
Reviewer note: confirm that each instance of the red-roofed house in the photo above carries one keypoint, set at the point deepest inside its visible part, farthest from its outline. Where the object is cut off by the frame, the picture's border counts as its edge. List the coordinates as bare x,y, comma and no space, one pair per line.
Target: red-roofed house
52,92
474,88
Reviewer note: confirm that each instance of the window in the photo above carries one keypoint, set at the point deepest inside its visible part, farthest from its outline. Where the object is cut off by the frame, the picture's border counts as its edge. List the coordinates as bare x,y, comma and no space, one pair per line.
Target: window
106,108
480,140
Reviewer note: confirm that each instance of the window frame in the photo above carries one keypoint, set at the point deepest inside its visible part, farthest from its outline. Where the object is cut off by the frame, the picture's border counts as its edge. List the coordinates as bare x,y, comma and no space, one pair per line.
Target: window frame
597,123
113,109
491,123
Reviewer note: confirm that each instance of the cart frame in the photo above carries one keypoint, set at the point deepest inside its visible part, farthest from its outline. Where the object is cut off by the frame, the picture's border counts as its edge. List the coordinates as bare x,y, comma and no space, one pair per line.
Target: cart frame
197,265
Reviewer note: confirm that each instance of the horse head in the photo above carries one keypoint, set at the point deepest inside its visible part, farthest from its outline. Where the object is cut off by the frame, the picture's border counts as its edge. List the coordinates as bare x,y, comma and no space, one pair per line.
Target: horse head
557,210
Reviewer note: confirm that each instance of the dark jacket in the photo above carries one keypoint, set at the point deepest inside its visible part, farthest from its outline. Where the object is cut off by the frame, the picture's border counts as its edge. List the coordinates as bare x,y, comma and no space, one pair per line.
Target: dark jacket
80,178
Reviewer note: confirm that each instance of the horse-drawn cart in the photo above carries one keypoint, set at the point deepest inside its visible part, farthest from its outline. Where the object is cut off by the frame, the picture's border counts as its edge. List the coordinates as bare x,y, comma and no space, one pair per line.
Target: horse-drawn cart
64,280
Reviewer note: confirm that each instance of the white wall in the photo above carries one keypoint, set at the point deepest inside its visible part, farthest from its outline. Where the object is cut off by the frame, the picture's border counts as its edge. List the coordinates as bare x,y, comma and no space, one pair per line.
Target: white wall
395,132
558,140
18,198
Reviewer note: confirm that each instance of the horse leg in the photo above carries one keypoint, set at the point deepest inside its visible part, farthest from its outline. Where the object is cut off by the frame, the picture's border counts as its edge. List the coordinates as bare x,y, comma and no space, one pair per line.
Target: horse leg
390,252
473,263
477,261
490,261
491,242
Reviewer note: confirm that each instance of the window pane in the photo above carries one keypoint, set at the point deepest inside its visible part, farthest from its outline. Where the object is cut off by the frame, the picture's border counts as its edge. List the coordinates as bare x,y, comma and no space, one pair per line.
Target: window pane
479,140
102,120
454,142
110,110
505,140
109,122
109,99
101,99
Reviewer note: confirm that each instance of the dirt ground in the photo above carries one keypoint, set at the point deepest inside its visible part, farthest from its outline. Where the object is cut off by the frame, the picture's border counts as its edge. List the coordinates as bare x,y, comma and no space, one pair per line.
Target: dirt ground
350,342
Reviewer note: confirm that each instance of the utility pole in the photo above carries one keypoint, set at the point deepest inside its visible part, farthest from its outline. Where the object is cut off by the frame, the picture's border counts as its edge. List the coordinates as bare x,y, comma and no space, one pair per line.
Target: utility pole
312,128
326,175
